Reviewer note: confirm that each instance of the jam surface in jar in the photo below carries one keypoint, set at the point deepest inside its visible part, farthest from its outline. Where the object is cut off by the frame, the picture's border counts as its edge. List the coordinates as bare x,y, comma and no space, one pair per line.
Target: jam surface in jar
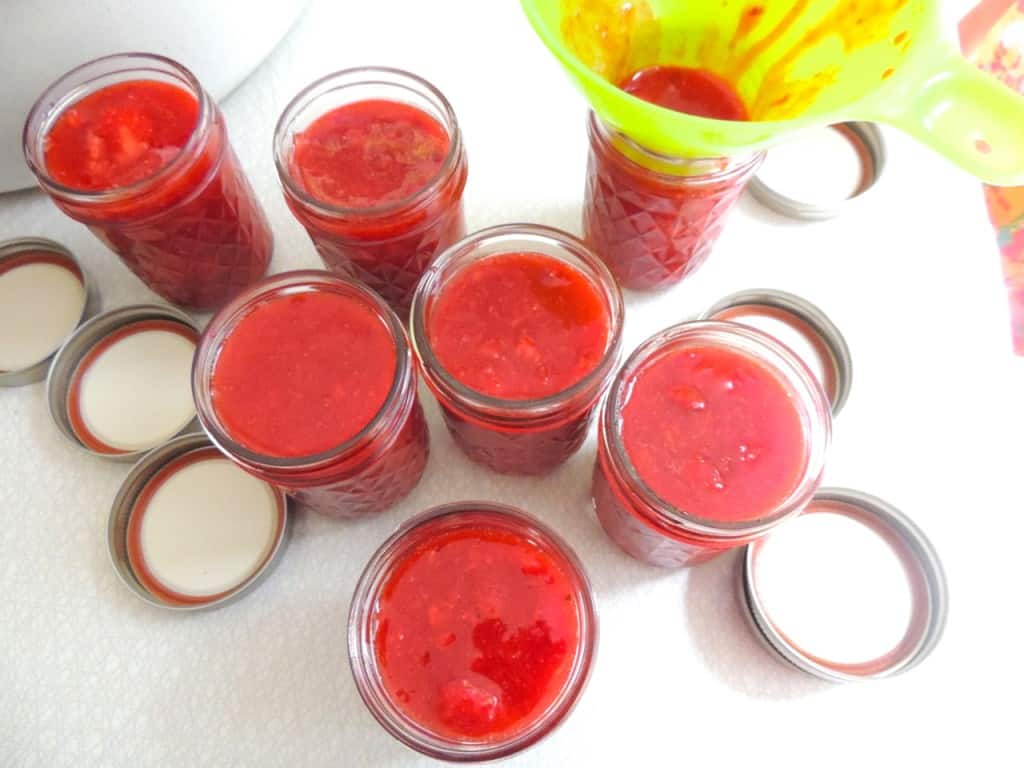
476,632
120,134
714,433
302,373
369,153
519,326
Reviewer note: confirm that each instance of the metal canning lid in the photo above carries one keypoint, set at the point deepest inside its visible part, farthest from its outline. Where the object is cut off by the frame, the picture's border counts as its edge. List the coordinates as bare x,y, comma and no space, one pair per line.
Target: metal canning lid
816,174
127,545
857,593
67,395
28,251
802,327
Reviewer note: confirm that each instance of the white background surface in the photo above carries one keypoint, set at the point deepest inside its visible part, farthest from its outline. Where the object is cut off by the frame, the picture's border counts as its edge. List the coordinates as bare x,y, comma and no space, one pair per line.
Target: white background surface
89,675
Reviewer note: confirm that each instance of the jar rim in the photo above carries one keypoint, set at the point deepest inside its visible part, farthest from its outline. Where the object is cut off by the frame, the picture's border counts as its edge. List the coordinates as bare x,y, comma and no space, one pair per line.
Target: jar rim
227,318
360,76
516,238
362,658
815,412
61,94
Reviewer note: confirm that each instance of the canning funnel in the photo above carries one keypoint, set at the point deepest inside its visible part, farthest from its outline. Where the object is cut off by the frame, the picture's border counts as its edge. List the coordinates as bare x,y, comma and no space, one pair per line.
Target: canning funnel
796,64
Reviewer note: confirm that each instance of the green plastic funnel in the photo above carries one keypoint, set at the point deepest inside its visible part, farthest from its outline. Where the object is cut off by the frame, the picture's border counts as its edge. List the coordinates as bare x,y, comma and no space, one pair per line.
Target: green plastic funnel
796,64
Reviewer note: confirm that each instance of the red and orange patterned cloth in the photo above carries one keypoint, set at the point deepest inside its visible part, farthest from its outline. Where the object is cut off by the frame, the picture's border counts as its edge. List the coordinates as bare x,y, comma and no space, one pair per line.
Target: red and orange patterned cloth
992,35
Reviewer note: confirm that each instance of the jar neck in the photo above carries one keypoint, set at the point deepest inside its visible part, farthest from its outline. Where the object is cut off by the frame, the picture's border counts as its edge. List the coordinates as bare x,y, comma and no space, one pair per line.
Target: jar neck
370,442
351,86
804,389
208,135
615,146
541,413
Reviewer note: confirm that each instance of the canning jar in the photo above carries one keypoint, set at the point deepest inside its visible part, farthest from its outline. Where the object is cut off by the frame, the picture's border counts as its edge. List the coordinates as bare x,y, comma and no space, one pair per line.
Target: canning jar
307,381
472,632
133,147
654,218
712,434
518,330
372,164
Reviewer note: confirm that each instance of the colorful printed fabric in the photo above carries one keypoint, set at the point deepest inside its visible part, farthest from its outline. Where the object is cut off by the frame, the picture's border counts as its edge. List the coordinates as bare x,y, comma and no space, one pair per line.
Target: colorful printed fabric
993,36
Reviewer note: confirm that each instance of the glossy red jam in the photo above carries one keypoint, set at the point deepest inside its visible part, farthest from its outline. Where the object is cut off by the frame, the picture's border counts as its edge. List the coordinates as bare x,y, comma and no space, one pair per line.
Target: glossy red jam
714,432
325,363
717,431
518,346
377,182
307,382
519,326
477,627
693,91
654,219
120,135
457,621
369,153
147,166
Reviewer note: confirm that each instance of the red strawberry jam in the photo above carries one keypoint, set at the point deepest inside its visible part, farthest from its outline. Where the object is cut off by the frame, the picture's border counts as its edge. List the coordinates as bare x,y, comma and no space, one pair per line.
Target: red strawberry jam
519,326
372,165
715,433
303,373
369,153
147,166
120,134
683,89
518,330
478,628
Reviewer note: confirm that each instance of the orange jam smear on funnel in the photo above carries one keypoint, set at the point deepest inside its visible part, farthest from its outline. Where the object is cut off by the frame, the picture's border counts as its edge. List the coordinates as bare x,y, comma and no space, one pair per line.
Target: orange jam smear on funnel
782,56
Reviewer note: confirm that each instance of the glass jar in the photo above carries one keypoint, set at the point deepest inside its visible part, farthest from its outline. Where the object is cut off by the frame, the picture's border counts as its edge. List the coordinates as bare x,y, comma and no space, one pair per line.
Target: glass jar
387,246
395,557
654,218
367,473
649,528
522,437
193,231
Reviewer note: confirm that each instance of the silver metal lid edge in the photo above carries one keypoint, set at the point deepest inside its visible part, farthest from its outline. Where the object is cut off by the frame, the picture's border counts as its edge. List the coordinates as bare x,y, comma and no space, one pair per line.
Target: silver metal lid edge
78,344
829,333
870,137
120,513
38,371
931,569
